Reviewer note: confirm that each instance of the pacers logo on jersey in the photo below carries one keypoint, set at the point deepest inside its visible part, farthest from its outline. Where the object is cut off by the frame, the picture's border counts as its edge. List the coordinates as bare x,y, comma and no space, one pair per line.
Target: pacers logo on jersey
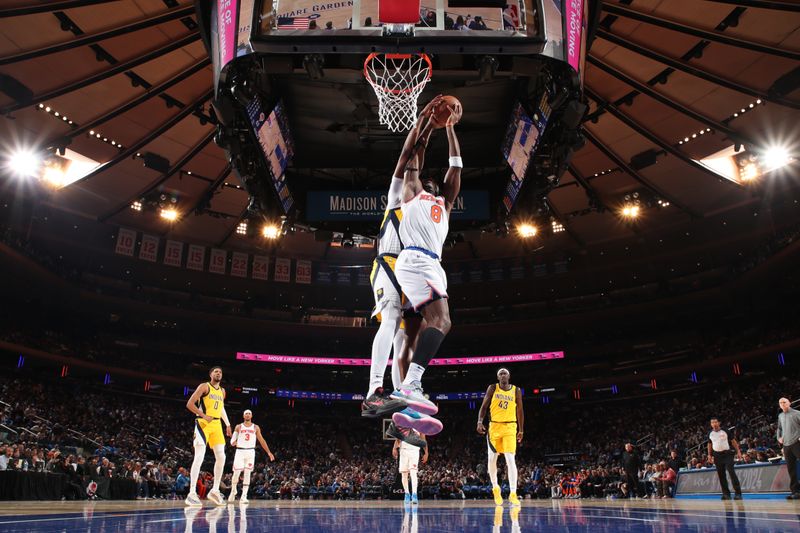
380,294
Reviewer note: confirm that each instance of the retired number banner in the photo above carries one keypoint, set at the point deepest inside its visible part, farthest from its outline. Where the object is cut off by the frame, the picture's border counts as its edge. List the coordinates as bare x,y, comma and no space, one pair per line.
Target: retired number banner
125,241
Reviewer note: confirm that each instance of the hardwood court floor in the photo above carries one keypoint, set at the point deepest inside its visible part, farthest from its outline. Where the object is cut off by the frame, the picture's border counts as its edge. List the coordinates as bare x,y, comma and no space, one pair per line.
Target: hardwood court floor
392,516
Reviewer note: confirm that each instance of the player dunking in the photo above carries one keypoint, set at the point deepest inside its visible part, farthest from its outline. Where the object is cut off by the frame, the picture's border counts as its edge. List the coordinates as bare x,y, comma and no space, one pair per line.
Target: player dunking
423,230
245,436
208,404
385,287
408,467
506,419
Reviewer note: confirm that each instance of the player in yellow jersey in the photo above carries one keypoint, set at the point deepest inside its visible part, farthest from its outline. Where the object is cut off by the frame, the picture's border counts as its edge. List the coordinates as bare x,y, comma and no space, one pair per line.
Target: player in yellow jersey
208,405
506,419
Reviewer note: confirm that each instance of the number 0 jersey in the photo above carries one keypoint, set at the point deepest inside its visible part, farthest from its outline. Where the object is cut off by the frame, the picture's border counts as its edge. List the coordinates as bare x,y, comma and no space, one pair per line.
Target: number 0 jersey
213,402
503,407
425,223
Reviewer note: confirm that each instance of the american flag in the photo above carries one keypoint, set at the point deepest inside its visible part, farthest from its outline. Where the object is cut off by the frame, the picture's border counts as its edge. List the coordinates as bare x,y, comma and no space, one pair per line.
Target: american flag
293,23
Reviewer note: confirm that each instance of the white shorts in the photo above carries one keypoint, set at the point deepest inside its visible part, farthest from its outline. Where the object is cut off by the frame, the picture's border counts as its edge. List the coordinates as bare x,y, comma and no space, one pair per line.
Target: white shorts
421,278
409,460
244,459
385,290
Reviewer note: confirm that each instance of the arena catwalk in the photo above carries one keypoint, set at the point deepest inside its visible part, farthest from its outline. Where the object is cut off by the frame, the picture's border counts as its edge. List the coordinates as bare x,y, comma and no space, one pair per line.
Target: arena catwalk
637,516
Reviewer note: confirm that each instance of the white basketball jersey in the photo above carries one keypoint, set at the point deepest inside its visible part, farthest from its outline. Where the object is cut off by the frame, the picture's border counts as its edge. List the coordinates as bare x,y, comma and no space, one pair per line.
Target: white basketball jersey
406,447
247,437
389,237
425,223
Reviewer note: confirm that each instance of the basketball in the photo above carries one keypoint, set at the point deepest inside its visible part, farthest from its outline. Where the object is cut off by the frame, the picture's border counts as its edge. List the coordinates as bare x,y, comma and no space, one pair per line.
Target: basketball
442,112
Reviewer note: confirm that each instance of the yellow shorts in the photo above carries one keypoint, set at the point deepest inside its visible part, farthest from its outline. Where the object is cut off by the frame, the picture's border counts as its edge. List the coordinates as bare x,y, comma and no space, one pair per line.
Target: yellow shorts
502,438
208,433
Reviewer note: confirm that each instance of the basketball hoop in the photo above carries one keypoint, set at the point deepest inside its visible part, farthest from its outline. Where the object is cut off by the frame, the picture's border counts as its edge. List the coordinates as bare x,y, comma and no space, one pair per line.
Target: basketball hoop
398,80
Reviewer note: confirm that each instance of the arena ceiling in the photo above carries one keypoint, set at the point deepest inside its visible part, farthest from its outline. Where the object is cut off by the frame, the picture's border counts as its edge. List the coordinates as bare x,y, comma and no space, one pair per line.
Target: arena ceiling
669,82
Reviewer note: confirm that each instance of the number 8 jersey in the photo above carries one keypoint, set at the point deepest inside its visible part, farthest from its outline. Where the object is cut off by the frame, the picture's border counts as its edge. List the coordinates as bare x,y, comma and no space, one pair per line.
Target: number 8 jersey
425,223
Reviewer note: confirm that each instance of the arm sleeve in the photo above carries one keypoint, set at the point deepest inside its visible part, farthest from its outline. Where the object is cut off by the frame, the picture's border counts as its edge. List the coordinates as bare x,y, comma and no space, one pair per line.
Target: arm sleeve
395,193
224,417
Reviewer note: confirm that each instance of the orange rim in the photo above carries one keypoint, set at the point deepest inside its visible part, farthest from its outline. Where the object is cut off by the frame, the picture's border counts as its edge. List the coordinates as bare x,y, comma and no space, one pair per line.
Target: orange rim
397,56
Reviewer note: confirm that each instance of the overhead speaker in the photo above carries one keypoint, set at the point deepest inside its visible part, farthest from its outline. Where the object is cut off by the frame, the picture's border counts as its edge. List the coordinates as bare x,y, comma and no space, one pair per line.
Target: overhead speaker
644,159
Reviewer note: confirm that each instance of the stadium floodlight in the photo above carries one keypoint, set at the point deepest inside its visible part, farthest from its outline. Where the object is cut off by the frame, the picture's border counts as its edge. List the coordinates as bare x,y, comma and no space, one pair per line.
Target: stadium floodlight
631,211
169,214
775,157
24,163
526,230
271,231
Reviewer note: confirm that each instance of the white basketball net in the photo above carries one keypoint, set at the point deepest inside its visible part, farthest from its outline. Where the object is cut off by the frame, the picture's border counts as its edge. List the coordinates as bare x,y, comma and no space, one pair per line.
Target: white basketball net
398,80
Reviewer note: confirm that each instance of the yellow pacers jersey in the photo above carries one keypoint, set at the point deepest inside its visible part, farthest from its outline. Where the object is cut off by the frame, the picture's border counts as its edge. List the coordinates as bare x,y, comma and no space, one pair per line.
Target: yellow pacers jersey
213,402
504,405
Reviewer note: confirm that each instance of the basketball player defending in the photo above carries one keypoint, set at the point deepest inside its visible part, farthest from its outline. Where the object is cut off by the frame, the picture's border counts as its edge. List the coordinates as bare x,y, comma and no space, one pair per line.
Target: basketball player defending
208,404
385,287
506,420
408,466
244,439
423,230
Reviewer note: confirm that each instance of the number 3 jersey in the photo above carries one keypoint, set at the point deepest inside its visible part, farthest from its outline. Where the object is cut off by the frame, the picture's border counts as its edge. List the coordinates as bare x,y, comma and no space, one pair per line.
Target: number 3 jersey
425,223
503,407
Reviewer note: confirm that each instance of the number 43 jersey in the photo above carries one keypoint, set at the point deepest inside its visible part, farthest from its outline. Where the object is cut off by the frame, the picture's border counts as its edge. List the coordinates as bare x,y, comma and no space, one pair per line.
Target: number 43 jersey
503,407
425,223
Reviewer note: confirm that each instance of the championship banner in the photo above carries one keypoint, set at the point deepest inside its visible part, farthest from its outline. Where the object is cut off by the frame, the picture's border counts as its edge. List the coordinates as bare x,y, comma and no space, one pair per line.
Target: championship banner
218,259
283,269
370,205
239,265
148,251
197,257
126,238
302,273
260,267
173,253
363,276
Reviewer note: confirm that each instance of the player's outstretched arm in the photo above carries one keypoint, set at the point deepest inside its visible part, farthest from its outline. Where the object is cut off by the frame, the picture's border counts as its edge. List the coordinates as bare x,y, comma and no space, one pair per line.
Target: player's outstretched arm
191,404
485,407
408,164
520,416
263,443
452,180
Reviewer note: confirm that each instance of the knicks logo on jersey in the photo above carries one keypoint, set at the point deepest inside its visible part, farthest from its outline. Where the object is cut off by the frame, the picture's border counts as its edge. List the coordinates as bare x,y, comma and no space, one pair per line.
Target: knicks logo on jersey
431,198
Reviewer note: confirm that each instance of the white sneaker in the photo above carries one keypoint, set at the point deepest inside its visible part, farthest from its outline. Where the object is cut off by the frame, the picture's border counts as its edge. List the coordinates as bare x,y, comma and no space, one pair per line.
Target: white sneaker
216,497
244,500
193,500
232,497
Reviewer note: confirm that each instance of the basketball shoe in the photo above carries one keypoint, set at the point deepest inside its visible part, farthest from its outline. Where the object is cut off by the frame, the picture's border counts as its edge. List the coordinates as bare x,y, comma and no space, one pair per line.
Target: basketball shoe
498,498
379,404
415,398
409,418
193,500
407,435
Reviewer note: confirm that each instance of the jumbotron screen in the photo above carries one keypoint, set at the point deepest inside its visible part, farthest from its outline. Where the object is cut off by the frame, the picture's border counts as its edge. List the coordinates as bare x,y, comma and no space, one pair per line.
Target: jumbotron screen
275,140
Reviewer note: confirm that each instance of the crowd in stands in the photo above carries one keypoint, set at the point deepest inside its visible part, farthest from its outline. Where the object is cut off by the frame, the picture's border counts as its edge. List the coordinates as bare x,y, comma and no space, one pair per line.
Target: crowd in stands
72,429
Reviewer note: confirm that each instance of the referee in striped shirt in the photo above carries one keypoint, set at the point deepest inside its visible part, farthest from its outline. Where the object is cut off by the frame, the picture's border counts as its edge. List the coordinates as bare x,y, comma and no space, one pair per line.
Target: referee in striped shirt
720,453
